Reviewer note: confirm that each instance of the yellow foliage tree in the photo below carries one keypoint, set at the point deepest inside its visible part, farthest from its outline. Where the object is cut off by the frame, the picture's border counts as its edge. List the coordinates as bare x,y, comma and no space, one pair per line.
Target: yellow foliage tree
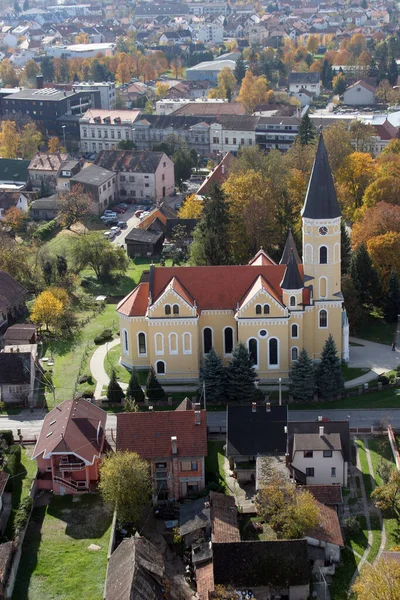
191,208
379,581
30,140
383,189
82,38
338,145
356,174
384,251
47,309
61,294
9,140
54,145
161,90
123,73
253,91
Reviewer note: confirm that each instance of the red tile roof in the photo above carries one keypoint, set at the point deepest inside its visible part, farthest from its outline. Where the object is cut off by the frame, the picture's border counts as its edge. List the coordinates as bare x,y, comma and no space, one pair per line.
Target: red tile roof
386,131
149,433
74,426
135,304
176,285
219,175
224,523
328,528
261,258
326,494
205,580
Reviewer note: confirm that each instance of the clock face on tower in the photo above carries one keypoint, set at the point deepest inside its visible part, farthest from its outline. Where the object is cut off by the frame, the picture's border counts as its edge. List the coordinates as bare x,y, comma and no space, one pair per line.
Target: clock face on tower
323,230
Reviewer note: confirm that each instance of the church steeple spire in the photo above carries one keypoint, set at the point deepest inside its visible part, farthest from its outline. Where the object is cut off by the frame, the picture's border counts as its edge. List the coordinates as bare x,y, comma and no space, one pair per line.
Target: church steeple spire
321,201
290,246
292,280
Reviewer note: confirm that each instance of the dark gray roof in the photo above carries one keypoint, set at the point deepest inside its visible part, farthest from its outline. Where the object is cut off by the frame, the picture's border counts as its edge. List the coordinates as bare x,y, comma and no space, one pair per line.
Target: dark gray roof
15,368
129,161
45,94
292,280
250,433
302,78
194,515
92,175
144,236
172,122
11,292
135,570
21,332
314,441
312,427
290,245
321,201
14,170
50,203
278,563
238,122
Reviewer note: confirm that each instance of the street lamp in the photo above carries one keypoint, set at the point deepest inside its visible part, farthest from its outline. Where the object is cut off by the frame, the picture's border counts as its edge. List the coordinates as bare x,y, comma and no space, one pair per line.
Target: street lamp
63,128
280,391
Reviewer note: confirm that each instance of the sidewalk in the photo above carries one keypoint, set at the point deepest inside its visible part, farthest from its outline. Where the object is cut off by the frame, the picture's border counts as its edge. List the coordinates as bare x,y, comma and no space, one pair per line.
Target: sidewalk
97,366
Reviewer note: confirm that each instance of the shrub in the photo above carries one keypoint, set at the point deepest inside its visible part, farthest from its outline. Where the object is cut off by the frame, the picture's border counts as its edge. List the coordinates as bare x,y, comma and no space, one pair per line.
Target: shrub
45,231
83,379
385,470
107,334
7,436
99,340
88,393
383,379
22,514
352,525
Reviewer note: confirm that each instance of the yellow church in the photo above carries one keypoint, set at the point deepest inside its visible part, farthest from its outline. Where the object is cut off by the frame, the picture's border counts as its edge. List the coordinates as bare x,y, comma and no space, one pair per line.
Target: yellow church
174,319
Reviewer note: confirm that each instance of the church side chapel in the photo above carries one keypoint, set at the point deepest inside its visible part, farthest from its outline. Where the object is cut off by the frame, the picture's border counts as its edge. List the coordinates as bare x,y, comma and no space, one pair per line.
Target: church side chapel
173,320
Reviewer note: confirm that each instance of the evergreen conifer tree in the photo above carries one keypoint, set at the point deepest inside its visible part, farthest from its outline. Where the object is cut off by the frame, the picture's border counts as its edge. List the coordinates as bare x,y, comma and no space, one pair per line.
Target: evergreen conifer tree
134,390
392,300
302,378
154,390
364,276
326,74
210,238
240,70
345,253
241,375
114,390
330,381
213,376
392,72
307,132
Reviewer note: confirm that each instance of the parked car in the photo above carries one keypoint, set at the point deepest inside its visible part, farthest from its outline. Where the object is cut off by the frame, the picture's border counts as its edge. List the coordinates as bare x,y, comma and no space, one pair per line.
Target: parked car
116,230
119,209
110,222
109,235
178,205
138,213
122,224
109,214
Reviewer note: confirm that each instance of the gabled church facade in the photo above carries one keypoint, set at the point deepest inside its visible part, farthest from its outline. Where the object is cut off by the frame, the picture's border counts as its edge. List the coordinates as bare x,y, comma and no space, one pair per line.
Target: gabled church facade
173,320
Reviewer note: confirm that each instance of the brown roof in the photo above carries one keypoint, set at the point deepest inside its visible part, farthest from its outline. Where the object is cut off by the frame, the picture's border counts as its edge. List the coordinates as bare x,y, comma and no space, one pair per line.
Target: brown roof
224,523
218,175
386,131
21,332
9,199
11,292
204,580
149,433
328,528
74,426
210,109
326,494
93,114
43,161
6,552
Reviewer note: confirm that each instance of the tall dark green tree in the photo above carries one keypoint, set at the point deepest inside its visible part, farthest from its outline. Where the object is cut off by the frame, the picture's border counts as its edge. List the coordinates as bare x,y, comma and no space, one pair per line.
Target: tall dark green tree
241,375
364,276
302,377
154,390
62,266
330,382
392,72
240,70
214,378
392,299
307,132
183,164
345,251
210,238
47,68
134,389
114,390
326,74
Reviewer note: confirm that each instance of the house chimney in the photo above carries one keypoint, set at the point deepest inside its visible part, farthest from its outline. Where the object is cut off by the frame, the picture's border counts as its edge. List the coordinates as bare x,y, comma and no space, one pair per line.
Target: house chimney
197,417
320,419
285,429
268,406
254,407
321,431
174,444
223,169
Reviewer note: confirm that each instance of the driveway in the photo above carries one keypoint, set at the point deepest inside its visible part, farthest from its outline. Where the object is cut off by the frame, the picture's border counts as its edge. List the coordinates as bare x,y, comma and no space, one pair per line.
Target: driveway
131,222
378,357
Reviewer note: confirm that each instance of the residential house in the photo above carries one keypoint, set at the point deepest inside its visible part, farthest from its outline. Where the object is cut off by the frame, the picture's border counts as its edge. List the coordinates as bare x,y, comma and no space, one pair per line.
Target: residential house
330,495
104,129
108,94
179,36
276,132
253,432
309,81
18,371
135,571
12,300
20,334
142,242
44,168
158,217
230,133
45,209
70,447
140,174
325,540
100,183
319,452
359,94
133,93
188,89
174,443
208,33
67,170
218,175
9,199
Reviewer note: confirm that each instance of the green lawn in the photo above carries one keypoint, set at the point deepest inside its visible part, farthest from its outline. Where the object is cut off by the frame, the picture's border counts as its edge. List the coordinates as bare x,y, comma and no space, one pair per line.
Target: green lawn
343,575
56,563
350,373
392,533
385,398
380,451
376,538
364,467
72,354
21,485
359,541
215,463
61,244
375,329
112,362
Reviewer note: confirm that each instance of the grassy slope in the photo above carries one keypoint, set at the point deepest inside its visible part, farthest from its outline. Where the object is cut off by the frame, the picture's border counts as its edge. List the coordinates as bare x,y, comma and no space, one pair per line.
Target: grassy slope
21,487
56,563
380,399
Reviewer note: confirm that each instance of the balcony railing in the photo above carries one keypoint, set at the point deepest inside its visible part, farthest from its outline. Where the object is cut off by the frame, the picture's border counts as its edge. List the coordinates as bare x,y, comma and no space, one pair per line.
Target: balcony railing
69,483
71,465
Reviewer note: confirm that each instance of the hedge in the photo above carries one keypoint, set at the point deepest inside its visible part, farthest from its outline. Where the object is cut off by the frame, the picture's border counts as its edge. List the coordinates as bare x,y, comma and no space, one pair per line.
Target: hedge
8,436
22,514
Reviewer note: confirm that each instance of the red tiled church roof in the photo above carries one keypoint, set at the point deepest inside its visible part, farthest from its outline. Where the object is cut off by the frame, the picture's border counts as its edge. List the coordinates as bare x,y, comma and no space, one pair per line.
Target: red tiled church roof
135,303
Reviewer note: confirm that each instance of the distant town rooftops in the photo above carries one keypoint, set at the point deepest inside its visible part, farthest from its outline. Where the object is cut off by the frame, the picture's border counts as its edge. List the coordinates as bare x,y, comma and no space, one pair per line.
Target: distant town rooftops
44,94
109,117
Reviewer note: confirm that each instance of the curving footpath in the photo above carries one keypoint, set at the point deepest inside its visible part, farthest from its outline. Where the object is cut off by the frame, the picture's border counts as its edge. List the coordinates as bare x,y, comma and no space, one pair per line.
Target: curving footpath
96,366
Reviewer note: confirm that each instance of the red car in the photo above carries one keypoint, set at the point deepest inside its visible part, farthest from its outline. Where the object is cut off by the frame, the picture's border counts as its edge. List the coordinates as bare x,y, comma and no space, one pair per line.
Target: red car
118,209
138,213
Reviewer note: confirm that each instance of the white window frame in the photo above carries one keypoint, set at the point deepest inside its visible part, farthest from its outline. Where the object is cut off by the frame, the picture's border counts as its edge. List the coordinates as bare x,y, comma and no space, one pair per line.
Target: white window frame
165,368
277,366
125,341
223,340
187,348
319,318
294,337
138,344
157,350
173,350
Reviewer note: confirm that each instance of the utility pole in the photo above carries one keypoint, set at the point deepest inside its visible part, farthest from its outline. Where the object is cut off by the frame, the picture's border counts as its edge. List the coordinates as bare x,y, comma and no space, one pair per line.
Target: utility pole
280,391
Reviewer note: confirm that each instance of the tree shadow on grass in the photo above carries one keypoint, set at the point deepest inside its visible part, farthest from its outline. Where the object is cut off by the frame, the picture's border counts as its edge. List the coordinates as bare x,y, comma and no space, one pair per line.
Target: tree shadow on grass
115,286
87,518
29,555
16,493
